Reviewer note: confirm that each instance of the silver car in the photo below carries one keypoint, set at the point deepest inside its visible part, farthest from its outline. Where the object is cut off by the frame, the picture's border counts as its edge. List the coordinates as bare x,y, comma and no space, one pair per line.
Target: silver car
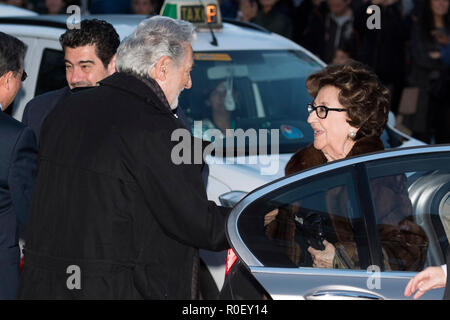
263,266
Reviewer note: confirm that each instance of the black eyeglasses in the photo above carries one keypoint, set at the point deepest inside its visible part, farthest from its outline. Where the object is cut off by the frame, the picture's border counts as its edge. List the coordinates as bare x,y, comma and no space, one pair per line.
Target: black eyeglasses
322,111
24,76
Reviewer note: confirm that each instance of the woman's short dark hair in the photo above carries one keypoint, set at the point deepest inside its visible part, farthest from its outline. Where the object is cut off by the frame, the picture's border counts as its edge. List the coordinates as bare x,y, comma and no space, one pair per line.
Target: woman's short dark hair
93,32
12,54
366,99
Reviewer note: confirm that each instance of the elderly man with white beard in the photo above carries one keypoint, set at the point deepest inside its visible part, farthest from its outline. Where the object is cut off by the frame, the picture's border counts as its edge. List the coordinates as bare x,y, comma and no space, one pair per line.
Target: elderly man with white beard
126,222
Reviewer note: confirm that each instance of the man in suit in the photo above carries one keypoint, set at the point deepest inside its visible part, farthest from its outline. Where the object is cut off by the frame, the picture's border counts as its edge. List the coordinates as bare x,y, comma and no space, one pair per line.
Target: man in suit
17,165
89,55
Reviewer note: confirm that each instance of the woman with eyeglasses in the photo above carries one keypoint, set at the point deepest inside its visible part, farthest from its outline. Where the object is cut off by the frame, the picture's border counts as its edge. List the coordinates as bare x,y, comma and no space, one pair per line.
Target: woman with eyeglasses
348,114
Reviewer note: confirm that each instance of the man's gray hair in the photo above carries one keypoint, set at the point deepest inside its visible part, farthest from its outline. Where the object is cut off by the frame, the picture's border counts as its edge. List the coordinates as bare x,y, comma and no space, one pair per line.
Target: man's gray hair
153,38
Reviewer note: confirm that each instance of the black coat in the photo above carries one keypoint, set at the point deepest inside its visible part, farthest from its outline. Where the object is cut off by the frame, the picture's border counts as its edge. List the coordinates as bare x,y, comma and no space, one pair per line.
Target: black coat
109,199
17,174
38,108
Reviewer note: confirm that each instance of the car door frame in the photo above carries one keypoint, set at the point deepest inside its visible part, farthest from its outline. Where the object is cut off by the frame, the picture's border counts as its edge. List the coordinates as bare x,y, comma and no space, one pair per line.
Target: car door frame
315,283
36,54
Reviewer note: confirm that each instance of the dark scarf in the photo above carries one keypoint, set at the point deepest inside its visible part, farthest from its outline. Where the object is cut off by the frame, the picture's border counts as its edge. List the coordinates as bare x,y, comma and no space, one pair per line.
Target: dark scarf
157,90
310,157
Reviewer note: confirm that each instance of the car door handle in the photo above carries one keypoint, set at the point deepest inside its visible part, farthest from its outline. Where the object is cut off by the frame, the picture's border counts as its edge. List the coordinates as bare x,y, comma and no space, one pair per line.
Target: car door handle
342,295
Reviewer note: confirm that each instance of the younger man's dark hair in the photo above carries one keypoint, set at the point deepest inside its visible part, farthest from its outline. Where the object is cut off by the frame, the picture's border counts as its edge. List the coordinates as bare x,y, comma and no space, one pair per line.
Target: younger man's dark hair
12,54
93,32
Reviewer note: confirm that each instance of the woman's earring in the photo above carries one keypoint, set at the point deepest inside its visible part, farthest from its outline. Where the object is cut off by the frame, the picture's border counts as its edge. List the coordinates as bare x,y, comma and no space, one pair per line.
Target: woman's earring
352,134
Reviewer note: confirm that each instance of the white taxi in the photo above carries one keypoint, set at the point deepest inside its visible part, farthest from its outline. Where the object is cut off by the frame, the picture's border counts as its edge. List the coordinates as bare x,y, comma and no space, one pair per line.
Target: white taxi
11,11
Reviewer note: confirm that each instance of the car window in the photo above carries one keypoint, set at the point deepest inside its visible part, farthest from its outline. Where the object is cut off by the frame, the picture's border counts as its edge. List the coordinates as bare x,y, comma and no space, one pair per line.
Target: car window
259,89
411,202
323,208
52,73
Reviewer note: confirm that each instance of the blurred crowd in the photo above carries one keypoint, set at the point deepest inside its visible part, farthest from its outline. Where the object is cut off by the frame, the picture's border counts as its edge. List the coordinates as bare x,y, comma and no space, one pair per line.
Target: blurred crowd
410,52
146,7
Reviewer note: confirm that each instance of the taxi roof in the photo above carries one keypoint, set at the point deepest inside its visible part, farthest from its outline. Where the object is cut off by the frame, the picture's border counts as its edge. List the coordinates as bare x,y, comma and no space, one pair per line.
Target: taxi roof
7,10
233,36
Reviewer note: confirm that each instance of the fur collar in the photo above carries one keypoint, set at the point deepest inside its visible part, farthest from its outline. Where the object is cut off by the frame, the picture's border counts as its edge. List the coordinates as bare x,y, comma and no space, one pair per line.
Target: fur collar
310,157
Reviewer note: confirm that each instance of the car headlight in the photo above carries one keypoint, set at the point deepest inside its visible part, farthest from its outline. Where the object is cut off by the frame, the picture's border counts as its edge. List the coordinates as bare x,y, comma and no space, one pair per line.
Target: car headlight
229,199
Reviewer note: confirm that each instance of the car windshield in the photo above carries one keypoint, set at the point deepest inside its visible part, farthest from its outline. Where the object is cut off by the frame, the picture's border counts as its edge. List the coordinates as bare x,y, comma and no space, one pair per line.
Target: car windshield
255,90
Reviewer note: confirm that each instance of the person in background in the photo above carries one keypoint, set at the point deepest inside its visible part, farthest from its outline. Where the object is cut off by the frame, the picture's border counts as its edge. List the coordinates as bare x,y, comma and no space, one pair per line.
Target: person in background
145,7
54,7
51,7
324,34
344,53
442,114
220,116
19,3
445,53
18,154
269,14
229,8
384,49
109,6
306,13
427,69
341,56
89,54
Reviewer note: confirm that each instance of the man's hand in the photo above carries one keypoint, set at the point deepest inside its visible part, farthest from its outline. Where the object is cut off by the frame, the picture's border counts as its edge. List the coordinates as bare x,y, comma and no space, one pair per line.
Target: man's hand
430,278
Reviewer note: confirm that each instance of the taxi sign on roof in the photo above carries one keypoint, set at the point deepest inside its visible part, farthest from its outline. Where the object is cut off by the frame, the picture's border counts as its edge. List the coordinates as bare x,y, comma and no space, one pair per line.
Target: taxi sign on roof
204,14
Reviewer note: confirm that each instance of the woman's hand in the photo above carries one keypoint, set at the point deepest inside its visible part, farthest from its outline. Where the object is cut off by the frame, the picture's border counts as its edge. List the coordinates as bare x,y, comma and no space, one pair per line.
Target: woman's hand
323,258
269,217
430,278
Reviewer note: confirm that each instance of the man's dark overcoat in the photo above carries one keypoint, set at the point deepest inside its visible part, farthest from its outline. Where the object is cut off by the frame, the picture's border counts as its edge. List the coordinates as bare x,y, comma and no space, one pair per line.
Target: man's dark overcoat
38,108
17,175
110,204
